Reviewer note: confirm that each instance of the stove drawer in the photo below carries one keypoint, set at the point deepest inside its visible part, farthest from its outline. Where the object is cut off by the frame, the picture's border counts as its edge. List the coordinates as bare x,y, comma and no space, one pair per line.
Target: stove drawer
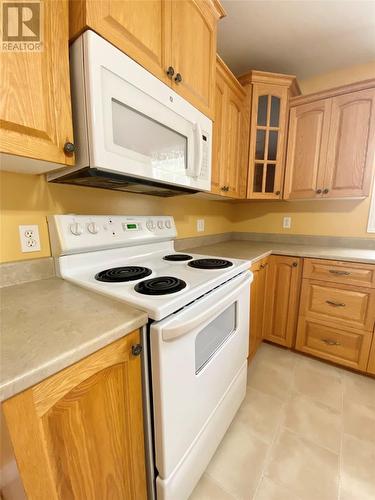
325,340
350,306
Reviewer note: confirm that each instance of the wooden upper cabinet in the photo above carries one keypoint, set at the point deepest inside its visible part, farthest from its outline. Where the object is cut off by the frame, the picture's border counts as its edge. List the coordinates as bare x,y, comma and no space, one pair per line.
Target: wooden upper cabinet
219,131
307,150
229,164
351,145
331,143
160,34
83,427
35,115
268,126
194,53
140,29
282,299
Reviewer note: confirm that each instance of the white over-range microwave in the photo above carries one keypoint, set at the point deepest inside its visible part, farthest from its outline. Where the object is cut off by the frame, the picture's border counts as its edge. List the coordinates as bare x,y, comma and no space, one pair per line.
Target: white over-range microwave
131,131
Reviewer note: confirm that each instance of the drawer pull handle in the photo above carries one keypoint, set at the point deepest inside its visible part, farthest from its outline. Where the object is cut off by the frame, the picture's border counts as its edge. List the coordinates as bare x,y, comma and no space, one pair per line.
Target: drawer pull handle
335,304
263,266
330,342
340,273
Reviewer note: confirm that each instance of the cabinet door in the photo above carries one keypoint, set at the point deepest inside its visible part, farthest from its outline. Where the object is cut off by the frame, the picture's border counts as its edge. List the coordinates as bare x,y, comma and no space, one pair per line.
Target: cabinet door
194,52
233,138
351,145
35,116
267,141
282,299
257,297
307,150
83,427
140,29
219,134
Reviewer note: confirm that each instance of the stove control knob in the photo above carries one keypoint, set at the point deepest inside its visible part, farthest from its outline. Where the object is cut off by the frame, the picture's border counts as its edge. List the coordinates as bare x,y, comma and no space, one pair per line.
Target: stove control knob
76,229
92,228
150,224
168,224
160,224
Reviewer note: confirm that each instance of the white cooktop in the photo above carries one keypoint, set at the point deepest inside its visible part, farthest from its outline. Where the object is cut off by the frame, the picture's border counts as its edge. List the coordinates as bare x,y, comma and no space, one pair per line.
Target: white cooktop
150,246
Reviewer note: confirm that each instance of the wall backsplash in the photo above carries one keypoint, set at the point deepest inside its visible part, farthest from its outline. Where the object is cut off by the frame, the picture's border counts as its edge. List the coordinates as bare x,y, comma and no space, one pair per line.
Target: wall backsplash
28,199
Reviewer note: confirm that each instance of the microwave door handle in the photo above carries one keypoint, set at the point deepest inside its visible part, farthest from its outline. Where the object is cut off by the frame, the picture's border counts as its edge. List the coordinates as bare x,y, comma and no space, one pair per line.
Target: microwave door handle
199,150
174,331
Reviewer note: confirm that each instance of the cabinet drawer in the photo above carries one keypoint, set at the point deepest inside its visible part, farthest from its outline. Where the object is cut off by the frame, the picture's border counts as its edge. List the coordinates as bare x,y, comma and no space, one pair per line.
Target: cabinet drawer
351,306
348,347
351,273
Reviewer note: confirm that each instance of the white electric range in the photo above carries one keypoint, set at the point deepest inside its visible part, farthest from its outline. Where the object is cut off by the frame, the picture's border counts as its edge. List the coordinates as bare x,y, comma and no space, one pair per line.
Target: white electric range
195,344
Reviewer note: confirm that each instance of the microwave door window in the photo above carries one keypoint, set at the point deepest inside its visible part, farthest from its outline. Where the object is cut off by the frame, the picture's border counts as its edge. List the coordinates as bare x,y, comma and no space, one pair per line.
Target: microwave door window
148,141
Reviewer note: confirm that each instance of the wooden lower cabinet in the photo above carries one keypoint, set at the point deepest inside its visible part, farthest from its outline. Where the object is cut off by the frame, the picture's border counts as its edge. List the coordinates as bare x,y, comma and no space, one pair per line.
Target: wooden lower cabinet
282,299
257,299
79,434
371,359
329,341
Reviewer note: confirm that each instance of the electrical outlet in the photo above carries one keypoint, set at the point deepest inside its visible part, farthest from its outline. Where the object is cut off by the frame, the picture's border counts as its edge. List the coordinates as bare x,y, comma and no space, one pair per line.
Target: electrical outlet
200,225
29,237
287,222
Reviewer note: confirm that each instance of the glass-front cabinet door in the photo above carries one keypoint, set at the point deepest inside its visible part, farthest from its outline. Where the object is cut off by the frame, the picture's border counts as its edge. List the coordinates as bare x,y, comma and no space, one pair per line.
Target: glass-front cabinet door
267,141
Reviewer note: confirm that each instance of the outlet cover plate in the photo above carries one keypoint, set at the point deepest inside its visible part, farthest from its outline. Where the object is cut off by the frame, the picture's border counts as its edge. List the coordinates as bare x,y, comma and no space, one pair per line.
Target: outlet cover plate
29,238
287,222
200,225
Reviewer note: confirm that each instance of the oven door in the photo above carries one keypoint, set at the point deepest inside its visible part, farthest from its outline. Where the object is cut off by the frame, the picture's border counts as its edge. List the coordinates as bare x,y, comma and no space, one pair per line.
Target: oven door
138,125
197,355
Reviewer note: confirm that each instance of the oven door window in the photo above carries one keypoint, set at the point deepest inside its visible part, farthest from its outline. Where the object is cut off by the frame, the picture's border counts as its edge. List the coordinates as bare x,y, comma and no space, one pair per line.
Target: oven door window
212,337
148,140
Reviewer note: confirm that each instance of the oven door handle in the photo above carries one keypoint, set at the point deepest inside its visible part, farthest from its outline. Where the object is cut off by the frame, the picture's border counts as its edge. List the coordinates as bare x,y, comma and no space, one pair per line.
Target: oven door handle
181,328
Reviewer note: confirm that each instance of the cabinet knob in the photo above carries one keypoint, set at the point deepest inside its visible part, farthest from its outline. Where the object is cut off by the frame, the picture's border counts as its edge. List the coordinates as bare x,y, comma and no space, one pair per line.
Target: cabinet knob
178,78
295,264
69,148
224,188
318,191
325,191
137,349
170,71
277,193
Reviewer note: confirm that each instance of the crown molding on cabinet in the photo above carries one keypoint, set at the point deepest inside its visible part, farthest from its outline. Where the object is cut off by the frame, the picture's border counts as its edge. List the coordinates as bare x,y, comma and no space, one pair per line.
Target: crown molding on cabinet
325,94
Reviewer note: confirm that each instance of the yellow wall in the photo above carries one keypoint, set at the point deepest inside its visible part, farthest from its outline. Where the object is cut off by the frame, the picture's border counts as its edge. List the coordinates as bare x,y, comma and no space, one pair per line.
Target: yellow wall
28,199
339,77
328,218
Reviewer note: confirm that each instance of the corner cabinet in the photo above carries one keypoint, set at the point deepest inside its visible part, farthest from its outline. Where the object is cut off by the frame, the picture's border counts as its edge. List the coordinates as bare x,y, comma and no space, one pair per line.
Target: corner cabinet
331,144
268,127
176,41
230,135
83,427
35,116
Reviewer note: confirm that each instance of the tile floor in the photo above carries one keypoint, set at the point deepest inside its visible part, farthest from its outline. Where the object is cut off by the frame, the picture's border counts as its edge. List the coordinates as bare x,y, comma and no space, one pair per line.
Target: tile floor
306,431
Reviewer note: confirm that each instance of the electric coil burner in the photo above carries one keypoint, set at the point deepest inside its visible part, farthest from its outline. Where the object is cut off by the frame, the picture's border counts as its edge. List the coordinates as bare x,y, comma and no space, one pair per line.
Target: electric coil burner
210,263
162,285
120,274
177,257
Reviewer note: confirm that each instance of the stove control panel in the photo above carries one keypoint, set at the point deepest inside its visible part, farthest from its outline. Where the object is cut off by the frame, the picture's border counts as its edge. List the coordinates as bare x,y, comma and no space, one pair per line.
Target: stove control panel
81,233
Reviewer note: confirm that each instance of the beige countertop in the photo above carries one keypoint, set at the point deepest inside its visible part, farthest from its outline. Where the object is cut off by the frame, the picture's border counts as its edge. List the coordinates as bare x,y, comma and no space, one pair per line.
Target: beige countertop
49,324
254,250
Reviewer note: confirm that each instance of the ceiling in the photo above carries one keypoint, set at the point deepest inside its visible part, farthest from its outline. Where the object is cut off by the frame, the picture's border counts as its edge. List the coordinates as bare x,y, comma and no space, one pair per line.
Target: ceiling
300,37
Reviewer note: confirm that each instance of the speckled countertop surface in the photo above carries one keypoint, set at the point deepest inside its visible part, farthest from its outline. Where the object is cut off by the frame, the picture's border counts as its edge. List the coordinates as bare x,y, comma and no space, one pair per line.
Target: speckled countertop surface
253,251
47,325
